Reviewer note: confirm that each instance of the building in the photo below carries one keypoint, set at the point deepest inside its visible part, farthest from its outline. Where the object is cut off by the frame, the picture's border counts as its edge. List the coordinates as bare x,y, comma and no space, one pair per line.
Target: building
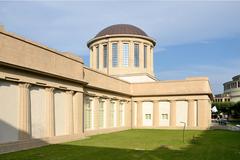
232,88
51,97
222,98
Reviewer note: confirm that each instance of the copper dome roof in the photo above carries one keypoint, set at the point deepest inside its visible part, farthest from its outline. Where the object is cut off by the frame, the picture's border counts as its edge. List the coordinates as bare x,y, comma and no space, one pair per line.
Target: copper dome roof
121,29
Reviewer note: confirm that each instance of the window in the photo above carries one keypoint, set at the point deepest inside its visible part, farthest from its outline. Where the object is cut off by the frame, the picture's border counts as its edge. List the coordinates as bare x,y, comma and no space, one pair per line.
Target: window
101,114
105,56
114,55
97,48
165,116
136,55
125,54
88,114
121,118
112,116
147,116
145,57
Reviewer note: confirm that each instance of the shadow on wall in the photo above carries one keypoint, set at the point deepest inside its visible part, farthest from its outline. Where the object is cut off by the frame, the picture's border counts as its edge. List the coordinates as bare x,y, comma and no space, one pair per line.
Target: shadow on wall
212,145
9,139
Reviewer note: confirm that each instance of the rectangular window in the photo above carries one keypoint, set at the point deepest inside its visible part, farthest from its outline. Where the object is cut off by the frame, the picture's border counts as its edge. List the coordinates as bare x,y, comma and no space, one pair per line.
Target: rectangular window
147,116
165,116
97,48
114,55
136,55
101,114
145,57
88,115
125,54
105,56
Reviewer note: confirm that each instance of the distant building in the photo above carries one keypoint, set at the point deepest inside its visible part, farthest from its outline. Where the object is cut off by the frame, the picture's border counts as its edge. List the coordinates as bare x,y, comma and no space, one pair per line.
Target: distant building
231,91
232,88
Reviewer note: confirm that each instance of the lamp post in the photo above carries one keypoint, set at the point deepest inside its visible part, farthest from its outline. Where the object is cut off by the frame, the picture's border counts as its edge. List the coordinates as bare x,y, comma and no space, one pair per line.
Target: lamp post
184,130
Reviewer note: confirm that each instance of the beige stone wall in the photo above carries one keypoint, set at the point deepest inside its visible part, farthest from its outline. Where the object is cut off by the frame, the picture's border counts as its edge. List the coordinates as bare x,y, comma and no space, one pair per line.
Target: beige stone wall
26,54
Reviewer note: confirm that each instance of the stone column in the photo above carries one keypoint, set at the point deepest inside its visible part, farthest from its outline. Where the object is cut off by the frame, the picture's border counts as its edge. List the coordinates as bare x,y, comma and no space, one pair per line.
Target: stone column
78,113
151,56
203,113
96,113
118,113
139,114
24,112
141,55
108,109
100,57
50,127
70,112
155,114
120,54
131,54
91,57
109,58
173,113
148,58
94,57
191,118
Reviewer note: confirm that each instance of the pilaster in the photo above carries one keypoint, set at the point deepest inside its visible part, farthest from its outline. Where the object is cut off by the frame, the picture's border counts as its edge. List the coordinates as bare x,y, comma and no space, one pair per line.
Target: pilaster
70,112
24,112
50,127
139,114
173,113
155,114
191,118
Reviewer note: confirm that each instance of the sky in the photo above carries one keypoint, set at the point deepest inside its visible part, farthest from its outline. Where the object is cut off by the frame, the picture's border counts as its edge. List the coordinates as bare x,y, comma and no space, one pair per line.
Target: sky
194,38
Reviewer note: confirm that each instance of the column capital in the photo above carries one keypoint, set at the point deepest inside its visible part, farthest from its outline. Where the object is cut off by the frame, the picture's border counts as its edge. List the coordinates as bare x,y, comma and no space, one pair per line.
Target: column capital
49,89
24,85
70,92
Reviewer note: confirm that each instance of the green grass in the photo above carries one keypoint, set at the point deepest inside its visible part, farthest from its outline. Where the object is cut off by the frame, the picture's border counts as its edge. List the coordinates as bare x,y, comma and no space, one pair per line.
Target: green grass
141,145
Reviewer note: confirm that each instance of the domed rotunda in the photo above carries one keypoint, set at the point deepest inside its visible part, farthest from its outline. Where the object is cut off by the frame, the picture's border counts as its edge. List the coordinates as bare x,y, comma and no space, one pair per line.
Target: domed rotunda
124,51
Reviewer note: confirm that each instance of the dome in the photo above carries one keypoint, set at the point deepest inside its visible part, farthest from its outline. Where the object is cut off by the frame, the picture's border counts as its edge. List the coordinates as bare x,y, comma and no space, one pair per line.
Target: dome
121,29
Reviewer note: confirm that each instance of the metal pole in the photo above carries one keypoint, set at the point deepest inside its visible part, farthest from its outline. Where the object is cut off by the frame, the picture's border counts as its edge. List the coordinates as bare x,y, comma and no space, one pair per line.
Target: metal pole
184,130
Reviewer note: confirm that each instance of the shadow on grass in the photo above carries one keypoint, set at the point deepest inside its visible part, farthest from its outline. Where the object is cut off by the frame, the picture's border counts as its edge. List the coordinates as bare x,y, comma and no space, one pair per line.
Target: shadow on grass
211,145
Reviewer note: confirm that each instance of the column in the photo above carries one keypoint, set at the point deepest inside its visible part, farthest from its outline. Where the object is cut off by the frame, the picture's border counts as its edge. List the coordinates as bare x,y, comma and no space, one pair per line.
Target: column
96,113
94,57
131,54
100,57
191,118
120,54
203,113
141,56
91,57
24,111
139,114
49,112
155,114
118,112
173,113
109,68
151,54
148,59
78,113
108,107
70,112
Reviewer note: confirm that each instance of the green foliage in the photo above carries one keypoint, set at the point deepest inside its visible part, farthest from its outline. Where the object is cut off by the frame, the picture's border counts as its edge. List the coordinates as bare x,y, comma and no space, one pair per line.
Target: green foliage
230,108
141,144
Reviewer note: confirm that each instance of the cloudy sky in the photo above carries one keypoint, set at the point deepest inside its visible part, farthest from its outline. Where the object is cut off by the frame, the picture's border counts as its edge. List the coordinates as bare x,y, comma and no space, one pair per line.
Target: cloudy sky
193,38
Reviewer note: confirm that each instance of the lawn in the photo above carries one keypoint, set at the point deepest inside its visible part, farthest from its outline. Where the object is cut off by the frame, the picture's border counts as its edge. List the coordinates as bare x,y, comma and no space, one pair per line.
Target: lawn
141,144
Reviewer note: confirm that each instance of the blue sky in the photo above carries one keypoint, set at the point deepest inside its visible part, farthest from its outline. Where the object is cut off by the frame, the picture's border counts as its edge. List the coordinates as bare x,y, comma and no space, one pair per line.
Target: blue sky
193,38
